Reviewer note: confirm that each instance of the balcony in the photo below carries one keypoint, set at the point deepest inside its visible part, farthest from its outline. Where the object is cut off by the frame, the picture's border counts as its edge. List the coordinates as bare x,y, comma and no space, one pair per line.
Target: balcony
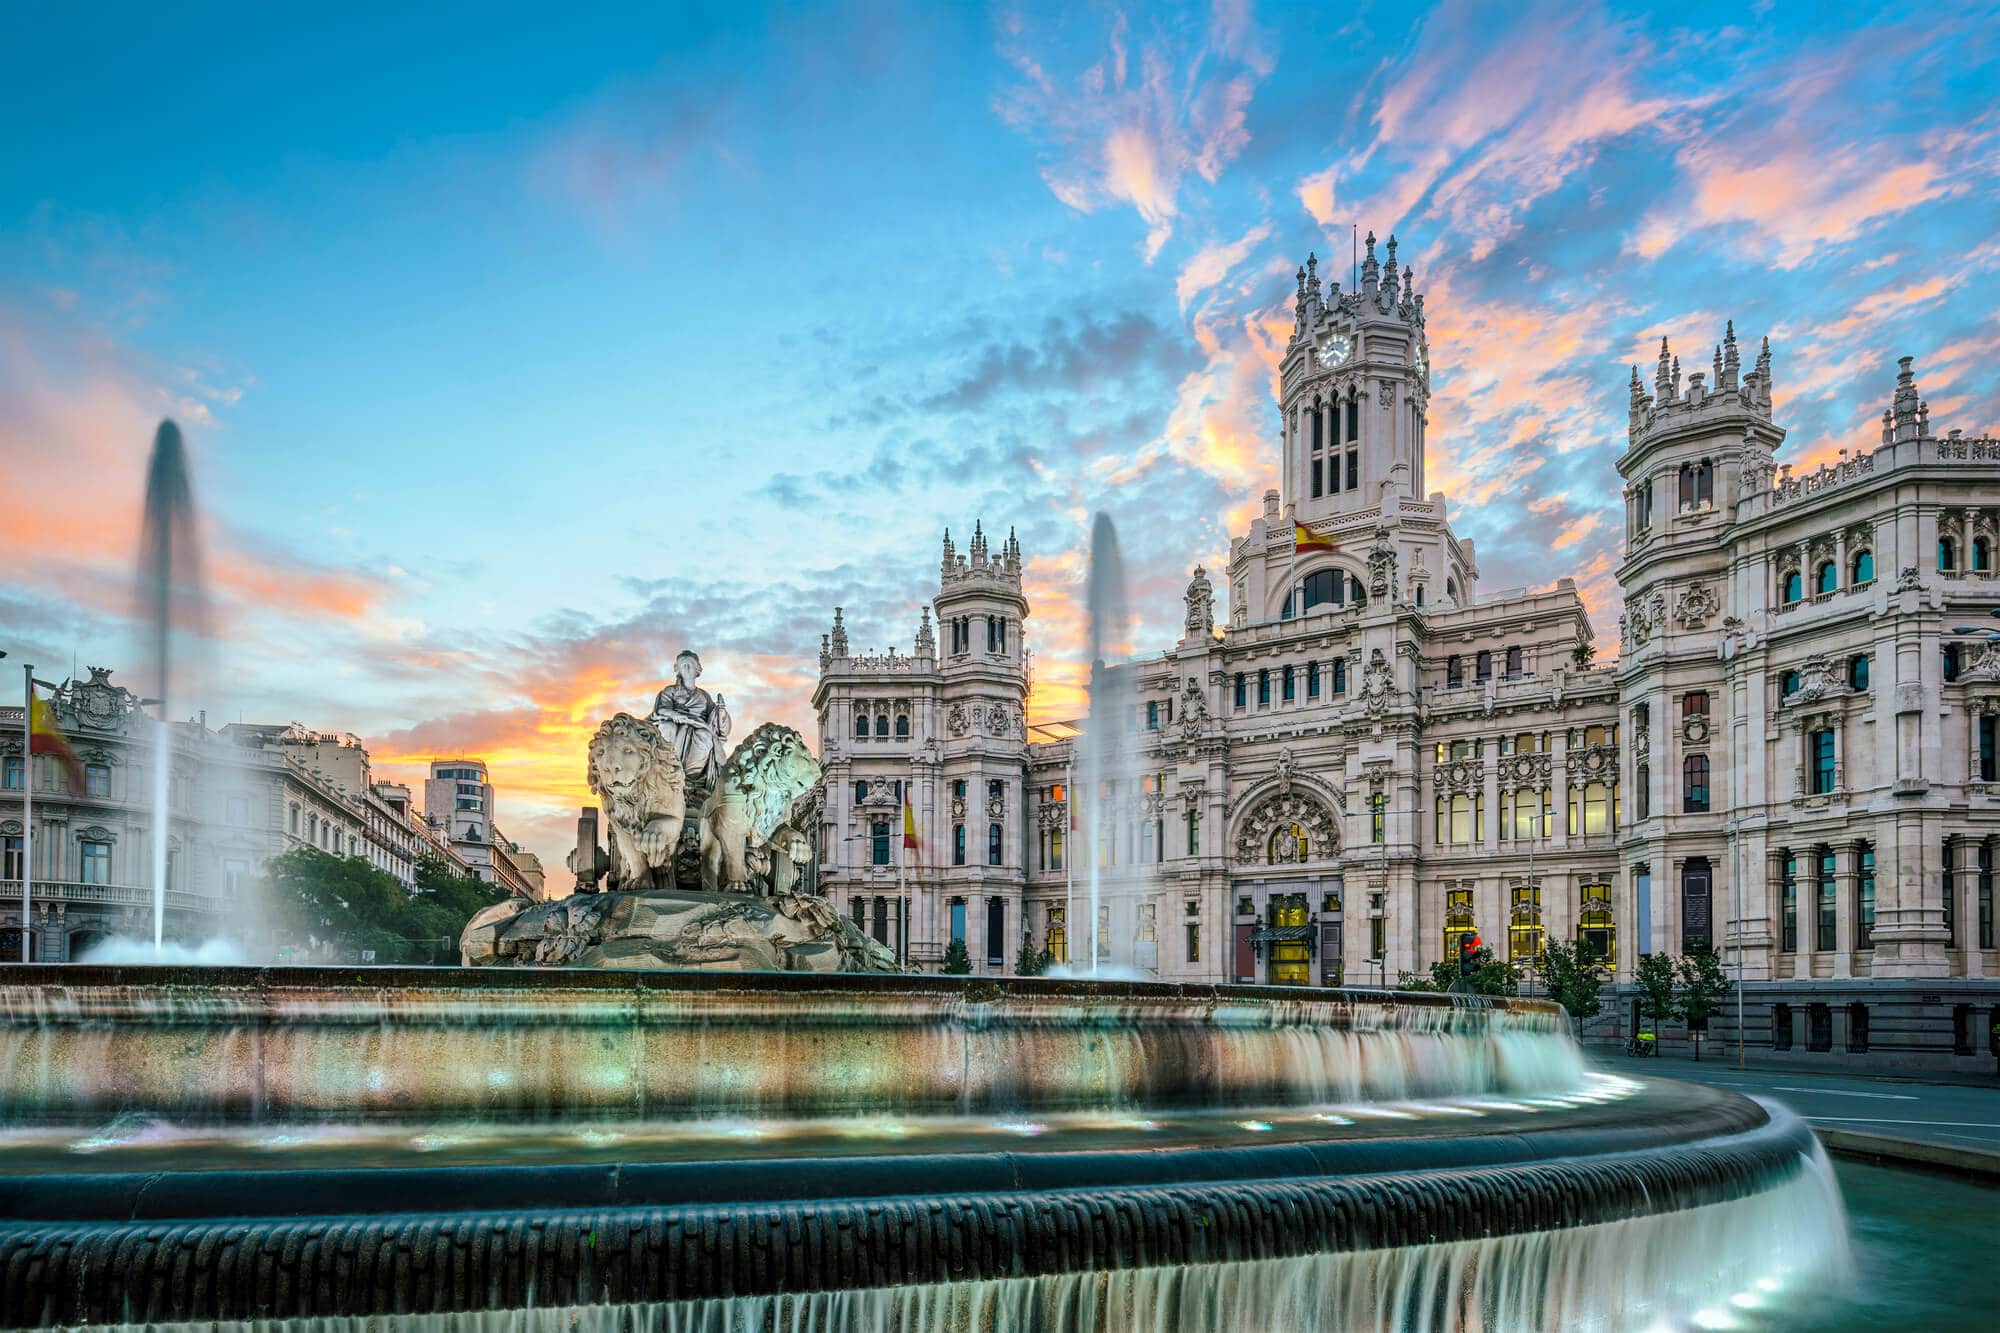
114,895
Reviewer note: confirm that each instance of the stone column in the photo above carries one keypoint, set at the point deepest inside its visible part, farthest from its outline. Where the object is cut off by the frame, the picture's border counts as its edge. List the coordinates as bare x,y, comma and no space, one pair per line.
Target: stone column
1847,855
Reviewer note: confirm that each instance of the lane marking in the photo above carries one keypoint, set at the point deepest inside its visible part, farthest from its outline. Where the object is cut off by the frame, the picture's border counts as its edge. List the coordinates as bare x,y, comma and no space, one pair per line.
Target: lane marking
1984,1143
1841,1092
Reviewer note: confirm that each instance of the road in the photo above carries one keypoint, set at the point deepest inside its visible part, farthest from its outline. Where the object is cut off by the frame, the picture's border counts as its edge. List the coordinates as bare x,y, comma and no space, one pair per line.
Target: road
1948,1114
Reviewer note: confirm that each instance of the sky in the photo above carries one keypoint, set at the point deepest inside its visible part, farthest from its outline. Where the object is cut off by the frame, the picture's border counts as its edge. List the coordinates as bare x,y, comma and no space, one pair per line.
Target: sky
515,354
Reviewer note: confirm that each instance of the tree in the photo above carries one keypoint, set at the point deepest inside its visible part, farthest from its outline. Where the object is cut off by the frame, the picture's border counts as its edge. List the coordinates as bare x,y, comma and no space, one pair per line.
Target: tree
1659,995
1704,986
341,909
1490,976
1031,962
1572,980
335,906
957,960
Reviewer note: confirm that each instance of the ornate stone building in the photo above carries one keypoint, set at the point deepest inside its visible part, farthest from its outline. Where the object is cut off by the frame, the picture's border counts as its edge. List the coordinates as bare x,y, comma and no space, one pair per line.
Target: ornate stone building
1373,756
236,796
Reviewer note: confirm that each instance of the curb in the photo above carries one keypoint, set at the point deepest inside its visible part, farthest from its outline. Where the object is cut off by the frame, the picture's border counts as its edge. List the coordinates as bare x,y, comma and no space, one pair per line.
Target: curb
1965,1163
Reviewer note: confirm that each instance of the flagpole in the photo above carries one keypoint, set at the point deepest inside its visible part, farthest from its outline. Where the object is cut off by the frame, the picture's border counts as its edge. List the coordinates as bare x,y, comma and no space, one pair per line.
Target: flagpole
27,812
1069,853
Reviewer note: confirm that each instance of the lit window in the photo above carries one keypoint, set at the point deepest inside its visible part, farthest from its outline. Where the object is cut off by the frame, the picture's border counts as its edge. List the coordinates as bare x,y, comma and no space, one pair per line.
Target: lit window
1694,783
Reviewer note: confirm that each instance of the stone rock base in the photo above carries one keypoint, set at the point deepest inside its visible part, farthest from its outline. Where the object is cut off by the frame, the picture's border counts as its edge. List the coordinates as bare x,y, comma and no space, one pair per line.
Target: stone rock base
673,929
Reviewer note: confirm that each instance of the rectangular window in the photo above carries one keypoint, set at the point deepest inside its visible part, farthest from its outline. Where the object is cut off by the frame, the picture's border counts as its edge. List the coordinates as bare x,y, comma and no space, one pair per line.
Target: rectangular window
1239,690
958,920
1353,467
1694,704
1055,849
1378,938
958,846
1983,890
1152,715
1340,676
1263,687
1194,833
1318,488
1788,904
1378,814
1596,808
11,773
239,811
1824,932
996,932
234,875
1312,680
1822,762
878,843
1194,941
10,856
1950,894
1287,685
97,779
1864,898
96,863
1989,748
1596,934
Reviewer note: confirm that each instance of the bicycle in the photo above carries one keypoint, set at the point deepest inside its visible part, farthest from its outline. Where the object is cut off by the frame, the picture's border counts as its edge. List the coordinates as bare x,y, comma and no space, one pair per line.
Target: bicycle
1641,1043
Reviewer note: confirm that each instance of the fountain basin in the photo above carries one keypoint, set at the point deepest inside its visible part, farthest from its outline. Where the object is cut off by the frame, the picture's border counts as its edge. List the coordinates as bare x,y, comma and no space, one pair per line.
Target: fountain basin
1047,1154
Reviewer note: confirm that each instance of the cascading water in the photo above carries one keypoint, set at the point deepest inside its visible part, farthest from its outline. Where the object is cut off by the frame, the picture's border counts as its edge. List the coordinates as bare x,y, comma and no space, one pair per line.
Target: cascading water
1106,764
318,1149
169,590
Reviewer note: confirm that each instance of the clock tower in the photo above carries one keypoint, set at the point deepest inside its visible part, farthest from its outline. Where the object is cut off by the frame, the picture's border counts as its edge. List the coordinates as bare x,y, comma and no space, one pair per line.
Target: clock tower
1355,388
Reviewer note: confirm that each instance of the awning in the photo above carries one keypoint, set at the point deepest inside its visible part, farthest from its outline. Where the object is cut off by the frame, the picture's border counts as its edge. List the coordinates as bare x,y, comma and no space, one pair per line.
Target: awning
1268,934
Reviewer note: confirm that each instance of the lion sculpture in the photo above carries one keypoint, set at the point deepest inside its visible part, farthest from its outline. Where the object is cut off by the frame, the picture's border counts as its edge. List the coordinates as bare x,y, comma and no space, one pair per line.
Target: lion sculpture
638,775
747,845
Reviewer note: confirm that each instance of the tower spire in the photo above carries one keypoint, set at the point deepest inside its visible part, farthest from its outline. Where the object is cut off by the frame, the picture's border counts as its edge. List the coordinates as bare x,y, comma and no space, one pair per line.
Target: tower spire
1662,377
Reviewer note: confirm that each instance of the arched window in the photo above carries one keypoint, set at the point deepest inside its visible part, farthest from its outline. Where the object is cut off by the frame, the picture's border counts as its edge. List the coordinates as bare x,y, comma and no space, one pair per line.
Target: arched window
1353,415
882,724
902,726
860,791
1982,555
1947,554
1694,784
1697,484
1289,846
861,726
1788,684
1482,665
1861,569
1451,589
1513,663
1322,586
1857,671
1794,588
1454,670
1827,580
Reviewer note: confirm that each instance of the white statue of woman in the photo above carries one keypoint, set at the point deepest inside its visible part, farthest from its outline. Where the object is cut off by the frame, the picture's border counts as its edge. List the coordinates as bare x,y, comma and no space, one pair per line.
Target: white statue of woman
696,722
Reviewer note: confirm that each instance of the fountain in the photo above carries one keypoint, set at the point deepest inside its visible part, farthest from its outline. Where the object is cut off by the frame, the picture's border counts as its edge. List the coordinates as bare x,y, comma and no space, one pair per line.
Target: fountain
403,1147
1106,764
692,1097
169,577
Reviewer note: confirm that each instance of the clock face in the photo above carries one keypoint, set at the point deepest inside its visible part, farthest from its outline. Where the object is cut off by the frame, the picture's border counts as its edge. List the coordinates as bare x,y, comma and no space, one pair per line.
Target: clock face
1333,349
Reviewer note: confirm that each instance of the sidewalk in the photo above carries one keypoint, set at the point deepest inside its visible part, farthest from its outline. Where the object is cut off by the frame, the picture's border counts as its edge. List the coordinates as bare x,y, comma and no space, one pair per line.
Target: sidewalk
1677,1054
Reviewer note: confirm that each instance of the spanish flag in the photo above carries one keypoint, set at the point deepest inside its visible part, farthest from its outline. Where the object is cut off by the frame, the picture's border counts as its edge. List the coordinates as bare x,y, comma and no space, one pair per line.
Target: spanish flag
909,824
1305,539
45,737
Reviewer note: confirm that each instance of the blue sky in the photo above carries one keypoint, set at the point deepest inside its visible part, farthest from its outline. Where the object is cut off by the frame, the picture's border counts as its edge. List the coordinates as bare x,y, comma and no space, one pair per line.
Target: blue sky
514,353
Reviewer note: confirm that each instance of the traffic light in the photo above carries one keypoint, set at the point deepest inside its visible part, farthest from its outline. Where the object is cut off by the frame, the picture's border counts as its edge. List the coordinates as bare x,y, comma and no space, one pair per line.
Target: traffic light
1468,953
